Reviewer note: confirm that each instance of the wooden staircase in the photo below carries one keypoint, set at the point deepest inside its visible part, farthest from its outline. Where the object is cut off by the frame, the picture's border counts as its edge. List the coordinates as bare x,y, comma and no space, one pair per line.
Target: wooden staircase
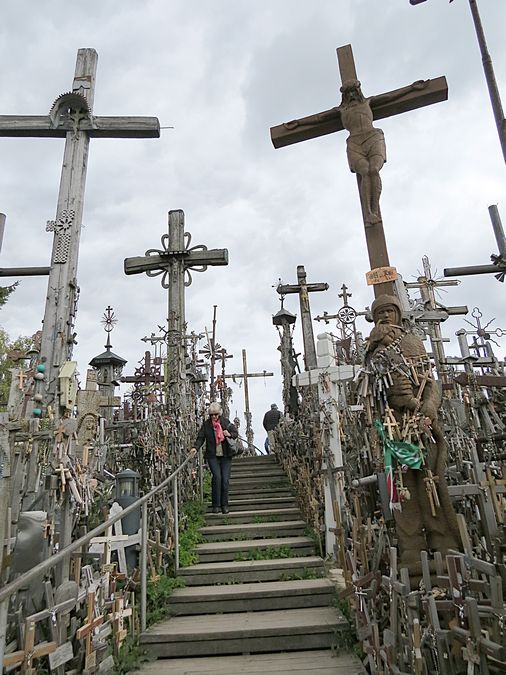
258,601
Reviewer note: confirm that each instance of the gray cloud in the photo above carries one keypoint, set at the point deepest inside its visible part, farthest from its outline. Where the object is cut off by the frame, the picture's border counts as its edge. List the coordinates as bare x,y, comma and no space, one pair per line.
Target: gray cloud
222,73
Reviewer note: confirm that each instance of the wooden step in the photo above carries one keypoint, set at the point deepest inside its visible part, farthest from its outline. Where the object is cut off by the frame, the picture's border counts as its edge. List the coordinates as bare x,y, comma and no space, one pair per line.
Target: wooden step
252,516
223,551
247,472
238,492
254,479
315,661
203,574
252,597
242,503
208,634
283,528
257,460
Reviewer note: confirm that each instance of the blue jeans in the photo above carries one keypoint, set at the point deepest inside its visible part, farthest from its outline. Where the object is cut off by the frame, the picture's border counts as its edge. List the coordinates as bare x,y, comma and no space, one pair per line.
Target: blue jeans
220,468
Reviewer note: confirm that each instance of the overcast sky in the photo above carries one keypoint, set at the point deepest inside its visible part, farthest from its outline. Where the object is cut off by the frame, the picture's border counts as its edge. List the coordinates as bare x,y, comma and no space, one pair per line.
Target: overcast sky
222,72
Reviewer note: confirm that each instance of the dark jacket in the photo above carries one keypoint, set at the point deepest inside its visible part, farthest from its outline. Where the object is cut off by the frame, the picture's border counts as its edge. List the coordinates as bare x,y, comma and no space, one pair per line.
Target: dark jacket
271,419
206,434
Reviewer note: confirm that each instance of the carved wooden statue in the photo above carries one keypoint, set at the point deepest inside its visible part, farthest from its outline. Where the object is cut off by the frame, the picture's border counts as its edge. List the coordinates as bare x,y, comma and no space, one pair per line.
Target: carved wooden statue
407,399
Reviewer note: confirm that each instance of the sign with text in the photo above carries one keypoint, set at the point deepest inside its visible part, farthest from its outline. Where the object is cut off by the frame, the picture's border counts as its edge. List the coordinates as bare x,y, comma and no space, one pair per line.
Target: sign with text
381,275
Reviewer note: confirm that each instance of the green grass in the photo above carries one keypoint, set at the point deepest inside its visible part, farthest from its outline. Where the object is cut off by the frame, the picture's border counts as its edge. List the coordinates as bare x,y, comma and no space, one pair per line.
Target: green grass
192,519
266,554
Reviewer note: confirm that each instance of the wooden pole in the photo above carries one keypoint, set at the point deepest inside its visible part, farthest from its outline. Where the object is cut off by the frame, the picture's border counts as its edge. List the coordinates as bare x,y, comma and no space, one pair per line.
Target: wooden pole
247,413
212,355
488,68
2,229
59,315
176,318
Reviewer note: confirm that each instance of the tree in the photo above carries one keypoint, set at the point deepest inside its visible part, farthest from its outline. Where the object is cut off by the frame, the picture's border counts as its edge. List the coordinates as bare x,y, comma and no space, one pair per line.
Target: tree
9,350
5,292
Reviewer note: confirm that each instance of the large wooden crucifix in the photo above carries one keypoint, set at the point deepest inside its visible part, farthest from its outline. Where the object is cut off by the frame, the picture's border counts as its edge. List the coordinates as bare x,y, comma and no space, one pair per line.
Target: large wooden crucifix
70,118
303,289
365,146
174,262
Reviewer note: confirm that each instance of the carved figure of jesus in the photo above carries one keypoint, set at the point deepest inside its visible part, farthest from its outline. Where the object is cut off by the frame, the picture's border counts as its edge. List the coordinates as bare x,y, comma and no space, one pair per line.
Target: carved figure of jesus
365,145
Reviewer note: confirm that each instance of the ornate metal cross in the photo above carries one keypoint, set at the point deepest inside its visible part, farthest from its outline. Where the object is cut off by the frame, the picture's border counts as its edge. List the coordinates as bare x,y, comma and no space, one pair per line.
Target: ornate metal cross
173,262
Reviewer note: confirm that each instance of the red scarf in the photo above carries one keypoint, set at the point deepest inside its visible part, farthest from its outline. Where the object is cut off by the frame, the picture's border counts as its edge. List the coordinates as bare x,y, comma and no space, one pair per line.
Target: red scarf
218,431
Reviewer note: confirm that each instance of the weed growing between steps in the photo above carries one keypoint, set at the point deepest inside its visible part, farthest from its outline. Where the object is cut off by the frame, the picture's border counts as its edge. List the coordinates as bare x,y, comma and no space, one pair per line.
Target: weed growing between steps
300,576
317,537
266,554
346,637
191,520
264,519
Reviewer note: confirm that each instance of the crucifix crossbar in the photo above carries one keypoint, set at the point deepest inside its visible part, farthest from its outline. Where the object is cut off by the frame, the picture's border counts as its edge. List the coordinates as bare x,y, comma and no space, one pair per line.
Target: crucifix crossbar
398,101
365,145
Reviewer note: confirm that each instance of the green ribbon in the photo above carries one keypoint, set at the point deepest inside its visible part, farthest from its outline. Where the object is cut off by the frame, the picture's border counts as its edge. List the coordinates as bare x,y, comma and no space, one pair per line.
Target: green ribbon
405,453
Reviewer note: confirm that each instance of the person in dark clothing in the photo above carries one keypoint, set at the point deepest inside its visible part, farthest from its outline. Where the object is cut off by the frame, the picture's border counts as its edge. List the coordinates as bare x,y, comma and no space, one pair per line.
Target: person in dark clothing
271,421
214,432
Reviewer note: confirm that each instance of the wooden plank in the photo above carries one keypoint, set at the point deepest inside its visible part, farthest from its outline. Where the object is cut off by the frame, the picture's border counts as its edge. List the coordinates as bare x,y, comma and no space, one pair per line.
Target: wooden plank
245,624
230,546
40,126
140,264
317,661
271,588
229,567
308,128
238,646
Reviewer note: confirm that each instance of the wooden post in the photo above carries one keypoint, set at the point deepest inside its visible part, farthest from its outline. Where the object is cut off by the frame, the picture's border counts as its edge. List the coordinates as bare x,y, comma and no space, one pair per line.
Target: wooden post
247,414
176,314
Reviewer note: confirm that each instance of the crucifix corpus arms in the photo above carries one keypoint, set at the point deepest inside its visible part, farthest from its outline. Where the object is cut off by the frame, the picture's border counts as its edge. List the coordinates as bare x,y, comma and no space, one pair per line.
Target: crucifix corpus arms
365,144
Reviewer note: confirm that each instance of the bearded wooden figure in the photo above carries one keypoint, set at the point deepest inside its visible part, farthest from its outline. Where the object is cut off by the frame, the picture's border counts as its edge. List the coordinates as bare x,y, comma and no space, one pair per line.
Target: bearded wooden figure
406,400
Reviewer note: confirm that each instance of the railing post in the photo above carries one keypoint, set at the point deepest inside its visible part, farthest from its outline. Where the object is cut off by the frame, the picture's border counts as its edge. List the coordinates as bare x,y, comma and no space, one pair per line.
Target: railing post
4,606
201,475
144,565
176,522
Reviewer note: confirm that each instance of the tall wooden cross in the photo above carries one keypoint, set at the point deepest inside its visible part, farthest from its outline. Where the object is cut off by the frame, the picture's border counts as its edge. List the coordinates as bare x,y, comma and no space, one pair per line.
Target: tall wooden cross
70,118
174,263
247,413
384,105
303,289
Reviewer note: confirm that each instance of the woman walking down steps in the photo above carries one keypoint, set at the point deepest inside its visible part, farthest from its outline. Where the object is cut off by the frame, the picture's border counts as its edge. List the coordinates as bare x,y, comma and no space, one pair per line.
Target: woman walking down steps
258,600
215,431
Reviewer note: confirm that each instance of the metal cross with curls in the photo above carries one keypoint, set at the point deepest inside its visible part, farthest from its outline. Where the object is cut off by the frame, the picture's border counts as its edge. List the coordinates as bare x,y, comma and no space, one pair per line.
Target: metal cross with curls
174,255
483,332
